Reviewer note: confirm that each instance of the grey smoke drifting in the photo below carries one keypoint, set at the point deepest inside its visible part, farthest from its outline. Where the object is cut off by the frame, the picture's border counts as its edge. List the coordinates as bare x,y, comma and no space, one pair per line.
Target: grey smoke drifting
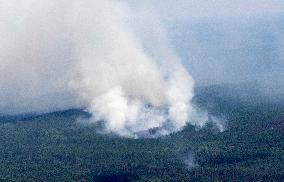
70,53
223,41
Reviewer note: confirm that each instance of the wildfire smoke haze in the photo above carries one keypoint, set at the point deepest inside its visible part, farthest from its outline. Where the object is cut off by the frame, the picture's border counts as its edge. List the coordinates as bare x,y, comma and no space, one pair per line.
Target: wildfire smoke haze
65,54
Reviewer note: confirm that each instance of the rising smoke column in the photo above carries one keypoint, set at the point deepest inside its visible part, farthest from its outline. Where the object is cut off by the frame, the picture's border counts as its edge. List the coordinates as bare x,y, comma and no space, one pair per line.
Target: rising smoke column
89,53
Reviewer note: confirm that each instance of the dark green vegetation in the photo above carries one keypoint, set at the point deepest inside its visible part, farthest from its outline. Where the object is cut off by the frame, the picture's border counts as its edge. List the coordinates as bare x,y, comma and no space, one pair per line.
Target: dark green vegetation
54,147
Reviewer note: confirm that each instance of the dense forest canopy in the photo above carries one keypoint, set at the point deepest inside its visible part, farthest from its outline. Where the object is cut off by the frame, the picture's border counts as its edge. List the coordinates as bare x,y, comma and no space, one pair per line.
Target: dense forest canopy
55,147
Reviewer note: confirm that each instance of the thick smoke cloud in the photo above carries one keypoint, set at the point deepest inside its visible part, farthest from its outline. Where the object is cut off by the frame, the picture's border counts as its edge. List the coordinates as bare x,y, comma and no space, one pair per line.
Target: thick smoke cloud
68,53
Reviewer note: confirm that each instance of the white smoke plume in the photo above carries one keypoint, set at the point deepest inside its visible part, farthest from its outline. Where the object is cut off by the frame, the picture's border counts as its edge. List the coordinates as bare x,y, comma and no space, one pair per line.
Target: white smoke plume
96,54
